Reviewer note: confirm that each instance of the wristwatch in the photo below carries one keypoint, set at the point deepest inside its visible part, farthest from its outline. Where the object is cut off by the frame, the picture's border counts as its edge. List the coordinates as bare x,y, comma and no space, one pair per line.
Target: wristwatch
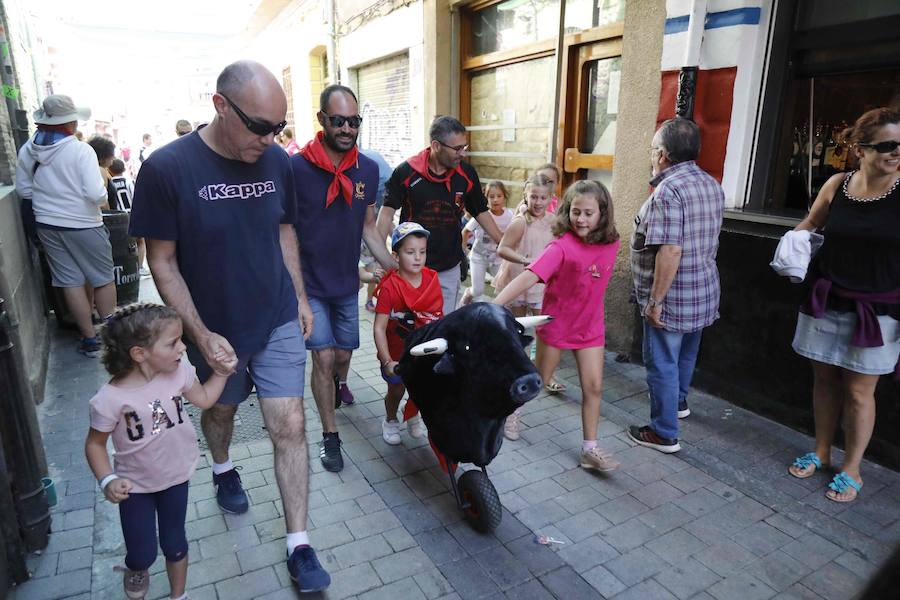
653,302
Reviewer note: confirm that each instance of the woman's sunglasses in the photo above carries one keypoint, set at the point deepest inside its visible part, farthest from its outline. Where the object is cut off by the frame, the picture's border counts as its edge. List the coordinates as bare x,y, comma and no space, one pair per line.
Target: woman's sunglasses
882,147
339,120
260,128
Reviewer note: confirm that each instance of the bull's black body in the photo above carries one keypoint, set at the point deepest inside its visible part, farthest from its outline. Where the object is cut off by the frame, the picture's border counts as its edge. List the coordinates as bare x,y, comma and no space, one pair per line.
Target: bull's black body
466,393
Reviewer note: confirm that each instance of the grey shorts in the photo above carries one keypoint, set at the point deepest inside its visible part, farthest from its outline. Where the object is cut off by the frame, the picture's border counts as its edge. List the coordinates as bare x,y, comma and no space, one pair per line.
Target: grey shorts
827,340
78,256
277,370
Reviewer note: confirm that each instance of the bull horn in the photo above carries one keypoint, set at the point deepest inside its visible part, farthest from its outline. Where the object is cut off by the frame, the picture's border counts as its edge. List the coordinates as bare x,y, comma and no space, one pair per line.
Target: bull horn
535,321
435,346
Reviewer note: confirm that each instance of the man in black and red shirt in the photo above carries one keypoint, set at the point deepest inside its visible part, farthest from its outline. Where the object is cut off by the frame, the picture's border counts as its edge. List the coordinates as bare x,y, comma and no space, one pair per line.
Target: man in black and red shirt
433,188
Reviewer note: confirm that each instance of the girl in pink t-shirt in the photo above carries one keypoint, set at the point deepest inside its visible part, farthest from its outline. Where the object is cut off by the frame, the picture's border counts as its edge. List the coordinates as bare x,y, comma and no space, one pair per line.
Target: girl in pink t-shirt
156,452
576,269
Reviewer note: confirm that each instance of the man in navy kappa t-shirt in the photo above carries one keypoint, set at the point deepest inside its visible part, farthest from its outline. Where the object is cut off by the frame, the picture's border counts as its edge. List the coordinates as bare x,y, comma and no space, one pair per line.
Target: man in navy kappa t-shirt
217,210
335,187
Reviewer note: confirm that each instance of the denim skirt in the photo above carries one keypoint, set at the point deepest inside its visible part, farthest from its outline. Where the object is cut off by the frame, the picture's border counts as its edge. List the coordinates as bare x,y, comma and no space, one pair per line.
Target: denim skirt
827,340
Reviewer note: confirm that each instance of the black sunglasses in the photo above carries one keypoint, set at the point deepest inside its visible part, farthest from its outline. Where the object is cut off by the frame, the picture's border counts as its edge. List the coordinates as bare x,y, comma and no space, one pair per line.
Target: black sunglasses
457,149
339,120
882,147
260,128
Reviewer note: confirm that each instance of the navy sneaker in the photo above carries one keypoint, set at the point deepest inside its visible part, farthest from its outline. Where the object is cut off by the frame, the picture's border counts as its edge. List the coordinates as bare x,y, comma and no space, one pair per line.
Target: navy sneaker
683,410
330,452
229,493
90,347
646,436
306,571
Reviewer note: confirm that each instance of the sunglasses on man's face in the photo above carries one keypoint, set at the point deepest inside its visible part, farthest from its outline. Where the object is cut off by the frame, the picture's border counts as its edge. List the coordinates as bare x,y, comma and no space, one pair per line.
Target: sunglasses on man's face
260,128
338,120
882,147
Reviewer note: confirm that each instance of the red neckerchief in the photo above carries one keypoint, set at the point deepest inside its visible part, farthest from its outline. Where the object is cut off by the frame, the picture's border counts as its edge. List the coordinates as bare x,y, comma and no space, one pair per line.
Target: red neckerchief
419,163
314,152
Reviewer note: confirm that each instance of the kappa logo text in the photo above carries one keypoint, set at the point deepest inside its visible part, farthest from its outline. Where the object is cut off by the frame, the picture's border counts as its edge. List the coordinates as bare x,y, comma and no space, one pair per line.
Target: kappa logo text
223,191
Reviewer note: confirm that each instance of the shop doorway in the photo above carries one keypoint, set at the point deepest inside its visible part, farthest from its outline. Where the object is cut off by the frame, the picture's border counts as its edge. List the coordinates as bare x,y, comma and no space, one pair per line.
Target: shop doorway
587,136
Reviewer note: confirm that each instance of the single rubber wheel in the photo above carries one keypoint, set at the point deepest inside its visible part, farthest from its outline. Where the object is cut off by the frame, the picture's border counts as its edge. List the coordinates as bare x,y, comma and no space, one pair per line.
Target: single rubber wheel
484,509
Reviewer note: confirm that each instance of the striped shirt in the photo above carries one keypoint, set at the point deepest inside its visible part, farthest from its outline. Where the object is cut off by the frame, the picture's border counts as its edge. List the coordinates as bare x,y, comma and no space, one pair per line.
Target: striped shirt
685,209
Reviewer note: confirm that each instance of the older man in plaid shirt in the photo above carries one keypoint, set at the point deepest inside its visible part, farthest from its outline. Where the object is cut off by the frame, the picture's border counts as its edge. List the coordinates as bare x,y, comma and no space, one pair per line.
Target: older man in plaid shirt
676,282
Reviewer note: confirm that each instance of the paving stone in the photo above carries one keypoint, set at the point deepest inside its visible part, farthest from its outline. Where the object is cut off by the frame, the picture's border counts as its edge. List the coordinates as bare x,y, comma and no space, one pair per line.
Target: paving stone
628,535
261,555
857,565
468,579
367,525
202,528
405,563
675,546
503,567
275,529
73,560
471,540
725,557
566,583
537,516
688,480
256,514
541,491
650,471
510,528
588,553
416,517
376,471
433,584
635,566
361,551
657,493
741,586
43,564
665,518
70,540
621,509
56,586
531,590
834,582
440,546
687,578
581,499
700,502
786,525
778,570
405,588
228,542
75,519
248,585
812,550
334,513
423,484
346,491
394,492
539,559
583,525
603,581
761,538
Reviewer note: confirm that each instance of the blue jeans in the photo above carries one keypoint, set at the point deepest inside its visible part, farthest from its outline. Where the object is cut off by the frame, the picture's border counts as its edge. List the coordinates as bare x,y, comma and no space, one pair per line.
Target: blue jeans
670,358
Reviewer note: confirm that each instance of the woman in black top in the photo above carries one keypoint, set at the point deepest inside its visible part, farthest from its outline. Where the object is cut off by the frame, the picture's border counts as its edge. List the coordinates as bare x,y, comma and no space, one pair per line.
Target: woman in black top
850,326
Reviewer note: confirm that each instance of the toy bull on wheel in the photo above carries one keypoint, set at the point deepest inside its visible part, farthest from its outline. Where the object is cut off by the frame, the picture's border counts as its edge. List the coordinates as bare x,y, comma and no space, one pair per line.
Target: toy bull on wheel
466,373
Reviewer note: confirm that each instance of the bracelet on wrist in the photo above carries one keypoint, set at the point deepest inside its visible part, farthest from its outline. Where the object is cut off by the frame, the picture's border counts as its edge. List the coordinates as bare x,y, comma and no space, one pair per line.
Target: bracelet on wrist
106,480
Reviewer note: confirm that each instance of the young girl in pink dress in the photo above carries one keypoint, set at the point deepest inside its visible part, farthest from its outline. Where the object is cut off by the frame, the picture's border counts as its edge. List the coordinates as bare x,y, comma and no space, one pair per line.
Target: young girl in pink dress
142,409
576,268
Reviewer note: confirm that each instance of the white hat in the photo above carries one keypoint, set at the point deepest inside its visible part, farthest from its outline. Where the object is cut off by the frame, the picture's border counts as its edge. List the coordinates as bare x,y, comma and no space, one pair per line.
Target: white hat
58,109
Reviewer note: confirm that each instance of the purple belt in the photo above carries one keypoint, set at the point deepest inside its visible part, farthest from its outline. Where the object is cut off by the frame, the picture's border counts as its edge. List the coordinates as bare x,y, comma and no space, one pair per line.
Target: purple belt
868,331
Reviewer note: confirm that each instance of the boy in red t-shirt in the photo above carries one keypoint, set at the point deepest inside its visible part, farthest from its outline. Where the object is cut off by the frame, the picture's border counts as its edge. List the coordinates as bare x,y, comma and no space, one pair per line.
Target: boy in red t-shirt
407,299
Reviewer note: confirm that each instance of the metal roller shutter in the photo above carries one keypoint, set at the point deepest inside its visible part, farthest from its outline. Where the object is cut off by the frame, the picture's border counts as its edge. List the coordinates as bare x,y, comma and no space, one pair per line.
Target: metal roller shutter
383,91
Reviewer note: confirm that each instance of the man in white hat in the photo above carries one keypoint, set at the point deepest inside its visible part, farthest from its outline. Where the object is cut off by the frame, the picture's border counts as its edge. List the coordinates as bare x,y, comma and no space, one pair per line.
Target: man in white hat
60,176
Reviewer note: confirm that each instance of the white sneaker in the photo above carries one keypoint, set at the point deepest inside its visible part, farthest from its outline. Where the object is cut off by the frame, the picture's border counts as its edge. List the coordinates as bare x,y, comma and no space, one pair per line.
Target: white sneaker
416,427
390,431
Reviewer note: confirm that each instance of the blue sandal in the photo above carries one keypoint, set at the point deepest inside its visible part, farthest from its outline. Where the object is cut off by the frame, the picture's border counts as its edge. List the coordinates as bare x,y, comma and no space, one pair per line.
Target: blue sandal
840,485
805,462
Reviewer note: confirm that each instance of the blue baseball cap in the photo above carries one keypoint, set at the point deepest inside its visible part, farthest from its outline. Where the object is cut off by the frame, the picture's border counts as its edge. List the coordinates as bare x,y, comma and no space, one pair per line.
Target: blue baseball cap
404,229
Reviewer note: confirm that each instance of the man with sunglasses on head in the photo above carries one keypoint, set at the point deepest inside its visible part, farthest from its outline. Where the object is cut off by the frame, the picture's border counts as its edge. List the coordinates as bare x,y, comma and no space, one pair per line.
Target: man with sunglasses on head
335,188
433,188
217,210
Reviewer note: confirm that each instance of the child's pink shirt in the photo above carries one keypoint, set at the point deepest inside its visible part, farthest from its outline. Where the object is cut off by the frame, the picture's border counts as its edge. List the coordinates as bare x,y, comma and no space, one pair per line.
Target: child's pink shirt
155,442
576,275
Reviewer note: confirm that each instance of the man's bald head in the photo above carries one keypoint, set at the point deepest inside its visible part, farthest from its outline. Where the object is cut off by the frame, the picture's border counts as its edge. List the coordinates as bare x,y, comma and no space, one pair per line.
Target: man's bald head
246,76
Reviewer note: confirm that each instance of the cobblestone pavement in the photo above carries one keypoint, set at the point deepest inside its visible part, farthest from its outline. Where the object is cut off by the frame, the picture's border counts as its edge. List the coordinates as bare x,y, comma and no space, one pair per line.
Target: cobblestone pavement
721,519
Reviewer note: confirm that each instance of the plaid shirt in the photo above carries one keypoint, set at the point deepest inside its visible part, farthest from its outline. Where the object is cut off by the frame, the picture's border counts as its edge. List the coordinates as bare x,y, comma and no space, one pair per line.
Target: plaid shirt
685,209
